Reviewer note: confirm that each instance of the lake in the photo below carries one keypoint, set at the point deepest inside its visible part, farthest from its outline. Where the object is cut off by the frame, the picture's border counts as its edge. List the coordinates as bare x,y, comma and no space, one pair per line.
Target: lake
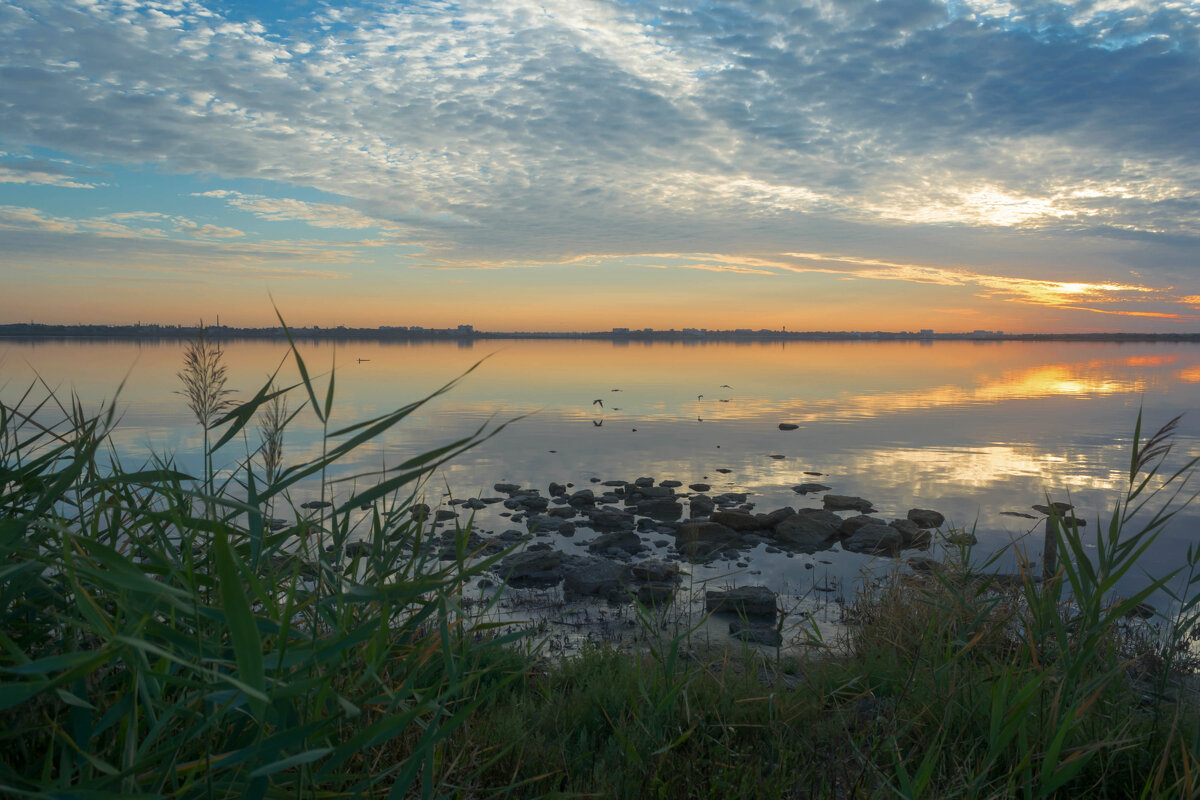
978,431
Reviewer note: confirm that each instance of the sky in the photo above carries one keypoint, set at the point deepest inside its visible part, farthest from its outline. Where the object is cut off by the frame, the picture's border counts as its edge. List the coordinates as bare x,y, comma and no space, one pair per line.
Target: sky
587,164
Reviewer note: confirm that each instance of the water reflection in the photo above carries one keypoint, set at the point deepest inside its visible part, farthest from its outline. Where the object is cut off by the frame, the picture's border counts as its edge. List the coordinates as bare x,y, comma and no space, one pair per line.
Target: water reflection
971,431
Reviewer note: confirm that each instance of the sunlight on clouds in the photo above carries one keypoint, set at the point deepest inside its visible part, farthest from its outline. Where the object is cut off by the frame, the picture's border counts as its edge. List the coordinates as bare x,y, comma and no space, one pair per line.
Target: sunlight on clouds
989,205
319,215
43,178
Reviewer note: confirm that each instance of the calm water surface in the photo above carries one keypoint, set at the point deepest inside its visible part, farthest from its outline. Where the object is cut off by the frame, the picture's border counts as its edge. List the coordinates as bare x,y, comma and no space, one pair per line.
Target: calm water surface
969,429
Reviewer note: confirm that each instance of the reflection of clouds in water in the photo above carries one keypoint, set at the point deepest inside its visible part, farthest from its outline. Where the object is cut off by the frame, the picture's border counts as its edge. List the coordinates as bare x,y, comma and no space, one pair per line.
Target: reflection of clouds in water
981,467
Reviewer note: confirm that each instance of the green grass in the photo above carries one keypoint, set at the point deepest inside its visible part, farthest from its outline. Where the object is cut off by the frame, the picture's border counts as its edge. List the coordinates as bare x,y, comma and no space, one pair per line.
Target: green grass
159,638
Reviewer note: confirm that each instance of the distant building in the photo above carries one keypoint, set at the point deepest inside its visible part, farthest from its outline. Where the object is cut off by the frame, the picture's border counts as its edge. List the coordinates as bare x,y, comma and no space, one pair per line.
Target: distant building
466,330
926,333
620,331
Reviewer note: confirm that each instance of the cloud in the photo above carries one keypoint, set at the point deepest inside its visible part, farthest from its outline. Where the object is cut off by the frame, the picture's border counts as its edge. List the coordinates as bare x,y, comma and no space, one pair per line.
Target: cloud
541,131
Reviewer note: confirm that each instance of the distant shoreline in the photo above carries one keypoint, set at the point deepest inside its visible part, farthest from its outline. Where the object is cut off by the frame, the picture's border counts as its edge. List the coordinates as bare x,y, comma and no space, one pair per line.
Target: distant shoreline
37,332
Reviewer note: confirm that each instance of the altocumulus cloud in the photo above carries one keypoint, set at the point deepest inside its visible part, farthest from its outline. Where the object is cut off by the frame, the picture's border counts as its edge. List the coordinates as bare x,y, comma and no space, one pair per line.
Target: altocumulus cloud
566,130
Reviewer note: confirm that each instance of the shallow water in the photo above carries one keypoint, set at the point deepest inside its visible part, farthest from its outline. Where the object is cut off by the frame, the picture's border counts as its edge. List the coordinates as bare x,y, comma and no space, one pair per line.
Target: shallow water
970,429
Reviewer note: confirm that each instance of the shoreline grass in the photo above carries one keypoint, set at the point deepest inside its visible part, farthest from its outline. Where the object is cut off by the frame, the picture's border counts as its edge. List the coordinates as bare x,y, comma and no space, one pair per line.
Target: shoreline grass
160,637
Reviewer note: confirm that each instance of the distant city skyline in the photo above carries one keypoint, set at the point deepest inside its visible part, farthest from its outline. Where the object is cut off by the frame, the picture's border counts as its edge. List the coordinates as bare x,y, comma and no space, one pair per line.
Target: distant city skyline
563,165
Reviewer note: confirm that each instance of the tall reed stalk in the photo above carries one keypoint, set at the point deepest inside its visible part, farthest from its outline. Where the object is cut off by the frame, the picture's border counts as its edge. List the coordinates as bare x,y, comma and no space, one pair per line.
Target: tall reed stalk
150,649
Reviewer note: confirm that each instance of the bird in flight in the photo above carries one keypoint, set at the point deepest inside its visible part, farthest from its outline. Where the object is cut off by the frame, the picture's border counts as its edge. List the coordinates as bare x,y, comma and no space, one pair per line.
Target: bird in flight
598,402
726,386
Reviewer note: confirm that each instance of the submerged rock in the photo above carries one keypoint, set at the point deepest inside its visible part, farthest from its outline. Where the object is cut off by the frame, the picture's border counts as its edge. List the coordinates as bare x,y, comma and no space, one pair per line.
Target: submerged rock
805,488
843,502
626,541
874,538
736,520
595,577
926,518
788,426
809,530
851,524
532,566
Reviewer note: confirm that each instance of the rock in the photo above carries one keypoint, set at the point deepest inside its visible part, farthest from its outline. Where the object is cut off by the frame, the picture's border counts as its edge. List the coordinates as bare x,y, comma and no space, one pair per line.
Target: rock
699,487
757,634
610,518
314,504
565,512
778,456
1021,514
556,489
926,518
613,483
595,577
701,505
444,514
546,524
809,530
851,524
842,502
737,520
627,541
655,570
275,523
357,550
671,484
506,488
748,601
664,507
724,471
874,538
475,504
788,426
649,492
770,520
922,564
702,538
532,566
730,498
805,488
512,535
910,532
962,539
644,482
583,497
527,502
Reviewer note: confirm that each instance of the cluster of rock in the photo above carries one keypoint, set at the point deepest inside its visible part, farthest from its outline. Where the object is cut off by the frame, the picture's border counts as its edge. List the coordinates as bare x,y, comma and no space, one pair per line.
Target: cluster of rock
628,515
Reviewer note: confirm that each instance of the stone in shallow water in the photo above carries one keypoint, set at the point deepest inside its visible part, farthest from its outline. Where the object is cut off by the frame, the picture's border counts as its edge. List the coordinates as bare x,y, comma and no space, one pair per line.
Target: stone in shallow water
926,518
805,488
874,537
699,487
843,502
788,426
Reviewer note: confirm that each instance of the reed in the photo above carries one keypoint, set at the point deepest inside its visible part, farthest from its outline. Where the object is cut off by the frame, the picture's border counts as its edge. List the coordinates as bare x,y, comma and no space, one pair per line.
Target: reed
158,638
